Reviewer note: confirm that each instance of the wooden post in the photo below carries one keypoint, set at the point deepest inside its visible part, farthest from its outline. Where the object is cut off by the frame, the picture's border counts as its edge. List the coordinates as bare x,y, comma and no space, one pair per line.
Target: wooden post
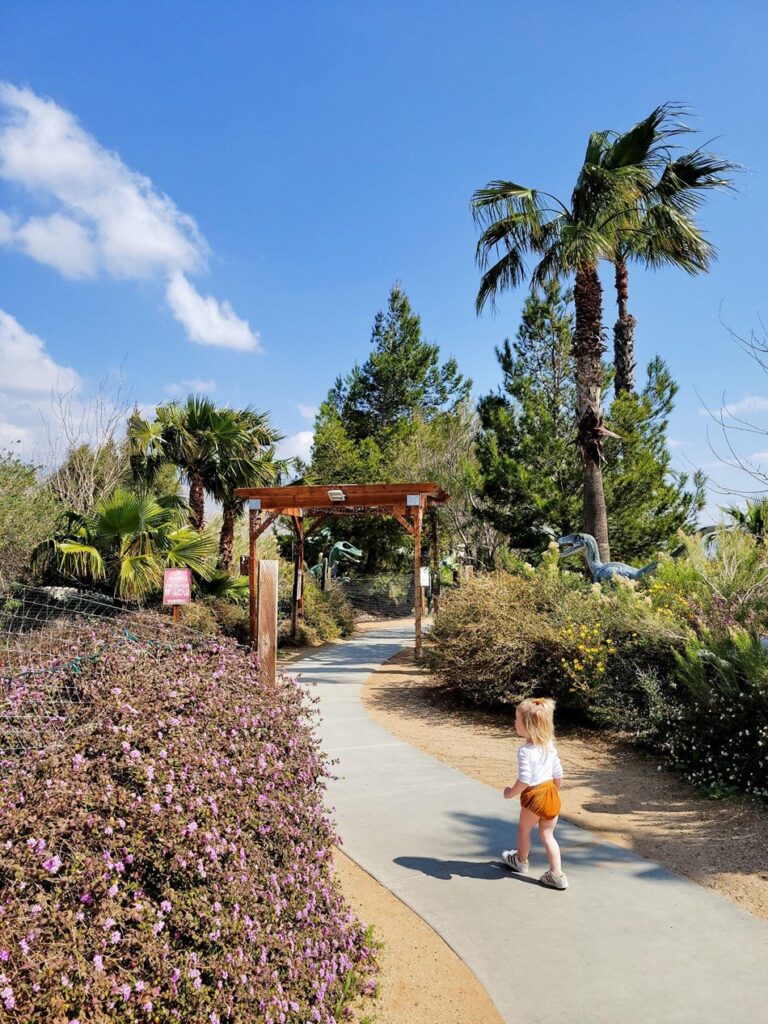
297,602
176,613
435,564
266,617
252,520
417,592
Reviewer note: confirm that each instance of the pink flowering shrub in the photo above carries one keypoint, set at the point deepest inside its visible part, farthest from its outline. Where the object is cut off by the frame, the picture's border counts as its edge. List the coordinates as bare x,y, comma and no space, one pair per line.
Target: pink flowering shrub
171,861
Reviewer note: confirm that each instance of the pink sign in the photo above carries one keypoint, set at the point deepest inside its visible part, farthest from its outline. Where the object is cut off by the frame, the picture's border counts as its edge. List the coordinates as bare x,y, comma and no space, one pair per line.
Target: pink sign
177,586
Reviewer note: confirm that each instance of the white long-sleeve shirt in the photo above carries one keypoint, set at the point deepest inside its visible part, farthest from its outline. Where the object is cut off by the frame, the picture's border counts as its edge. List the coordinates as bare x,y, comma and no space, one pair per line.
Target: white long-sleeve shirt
537,764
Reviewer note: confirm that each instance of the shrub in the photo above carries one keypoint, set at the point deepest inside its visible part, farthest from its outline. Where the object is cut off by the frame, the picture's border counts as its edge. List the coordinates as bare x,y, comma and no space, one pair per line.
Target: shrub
502,637
171,861
327,614
721,582
714,725
232,620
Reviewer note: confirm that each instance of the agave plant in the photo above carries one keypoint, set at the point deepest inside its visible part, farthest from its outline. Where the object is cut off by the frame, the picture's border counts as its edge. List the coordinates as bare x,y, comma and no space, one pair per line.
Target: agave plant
126,542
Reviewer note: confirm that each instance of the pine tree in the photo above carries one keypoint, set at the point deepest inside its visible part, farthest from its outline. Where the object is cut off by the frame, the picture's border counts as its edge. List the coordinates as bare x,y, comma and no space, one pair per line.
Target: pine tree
532,478
368,415
647,500
526,446
401,377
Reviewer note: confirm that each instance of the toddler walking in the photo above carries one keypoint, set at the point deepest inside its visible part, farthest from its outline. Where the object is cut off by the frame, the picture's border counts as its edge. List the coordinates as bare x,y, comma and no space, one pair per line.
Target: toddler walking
539,777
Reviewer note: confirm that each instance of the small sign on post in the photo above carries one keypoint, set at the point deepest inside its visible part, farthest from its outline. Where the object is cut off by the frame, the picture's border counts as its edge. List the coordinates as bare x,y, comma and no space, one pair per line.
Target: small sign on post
177,589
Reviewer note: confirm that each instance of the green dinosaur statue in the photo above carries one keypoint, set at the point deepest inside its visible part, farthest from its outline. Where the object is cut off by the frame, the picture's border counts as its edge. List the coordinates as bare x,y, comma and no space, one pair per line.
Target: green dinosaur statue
325,568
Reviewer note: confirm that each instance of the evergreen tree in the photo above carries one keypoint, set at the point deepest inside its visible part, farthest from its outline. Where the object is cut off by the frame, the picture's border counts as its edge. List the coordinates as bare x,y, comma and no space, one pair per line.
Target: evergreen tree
647,500
401,377
532,478
528,459
368,415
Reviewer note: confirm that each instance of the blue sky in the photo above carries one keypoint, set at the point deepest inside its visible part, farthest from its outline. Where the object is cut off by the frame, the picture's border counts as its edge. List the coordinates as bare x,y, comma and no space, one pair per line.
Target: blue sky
313,153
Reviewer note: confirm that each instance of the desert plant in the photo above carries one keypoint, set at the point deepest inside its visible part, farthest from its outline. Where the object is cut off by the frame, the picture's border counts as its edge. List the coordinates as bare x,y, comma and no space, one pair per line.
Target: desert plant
715,727
171,861
125,543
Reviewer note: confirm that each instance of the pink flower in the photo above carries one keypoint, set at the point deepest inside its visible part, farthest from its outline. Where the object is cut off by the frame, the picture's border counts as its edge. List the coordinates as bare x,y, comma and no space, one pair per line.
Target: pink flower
53,864
115,936
4,955
9,1000
98,962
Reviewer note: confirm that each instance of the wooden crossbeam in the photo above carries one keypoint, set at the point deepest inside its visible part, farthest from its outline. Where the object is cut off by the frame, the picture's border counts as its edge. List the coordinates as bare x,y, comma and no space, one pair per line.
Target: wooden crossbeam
355,495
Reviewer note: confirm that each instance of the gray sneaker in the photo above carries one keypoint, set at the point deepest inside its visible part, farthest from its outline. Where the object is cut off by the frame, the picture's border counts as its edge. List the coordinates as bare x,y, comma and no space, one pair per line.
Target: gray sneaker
553,881
512,861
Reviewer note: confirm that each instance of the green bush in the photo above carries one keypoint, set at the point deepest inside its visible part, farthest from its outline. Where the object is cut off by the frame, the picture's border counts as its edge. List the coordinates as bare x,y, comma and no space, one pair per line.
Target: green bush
720,582
327,614
502,637
713,724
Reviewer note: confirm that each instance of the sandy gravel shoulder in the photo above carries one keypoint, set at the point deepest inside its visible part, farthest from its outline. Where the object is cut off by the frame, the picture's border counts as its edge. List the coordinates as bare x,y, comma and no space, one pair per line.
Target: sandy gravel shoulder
421,980
611,788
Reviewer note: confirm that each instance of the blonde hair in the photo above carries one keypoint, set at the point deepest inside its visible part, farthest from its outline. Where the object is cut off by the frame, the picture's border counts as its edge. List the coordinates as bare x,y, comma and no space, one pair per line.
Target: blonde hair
538,717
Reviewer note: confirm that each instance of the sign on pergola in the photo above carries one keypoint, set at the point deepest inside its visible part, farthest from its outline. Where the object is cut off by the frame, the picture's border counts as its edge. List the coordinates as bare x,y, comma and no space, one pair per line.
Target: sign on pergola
310,507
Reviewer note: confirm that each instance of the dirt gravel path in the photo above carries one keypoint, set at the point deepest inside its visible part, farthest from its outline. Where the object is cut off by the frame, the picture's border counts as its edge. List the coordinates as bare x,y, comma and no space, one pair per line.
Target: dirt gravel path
611,788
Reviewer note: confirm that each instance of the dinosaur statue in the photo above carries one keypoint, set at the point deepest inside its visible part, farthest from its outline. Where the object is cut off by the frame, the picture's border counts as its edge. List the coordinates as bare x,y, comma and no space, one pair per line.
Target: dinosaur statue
586,543
325,568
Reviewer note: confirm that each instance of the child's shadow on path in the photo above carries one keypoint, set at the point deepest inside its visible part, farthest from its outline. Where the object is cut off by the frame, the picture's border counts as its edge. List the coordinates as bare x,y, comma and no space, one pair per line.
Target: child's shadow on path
447,869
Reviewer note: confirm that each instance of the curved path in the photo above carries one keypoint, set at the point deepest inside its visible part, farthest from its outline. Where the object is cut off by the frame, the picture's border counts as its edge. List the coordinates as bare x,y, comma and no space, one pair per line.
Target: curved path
628,943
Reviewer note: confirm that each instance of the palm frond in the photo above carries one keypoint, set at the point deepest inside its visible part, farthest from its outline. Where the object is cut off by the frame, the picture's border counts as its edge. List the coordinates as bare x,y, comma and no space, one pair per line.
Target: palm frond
78,559
137,576
185,548
508,272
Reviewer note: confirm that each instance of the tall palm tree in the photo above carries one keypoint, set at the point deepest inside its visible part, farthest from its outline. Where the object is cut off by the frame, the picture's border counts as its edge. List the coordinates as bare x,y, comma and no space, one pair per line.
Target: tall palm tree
126,542
666,235
572,239
254,465
217,449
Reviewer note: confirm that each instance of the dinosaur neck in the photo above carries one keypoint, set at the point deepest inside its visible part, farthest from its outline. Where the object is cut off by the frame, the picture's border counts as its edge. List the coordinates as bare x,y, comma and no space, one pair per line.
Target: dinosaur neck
591,552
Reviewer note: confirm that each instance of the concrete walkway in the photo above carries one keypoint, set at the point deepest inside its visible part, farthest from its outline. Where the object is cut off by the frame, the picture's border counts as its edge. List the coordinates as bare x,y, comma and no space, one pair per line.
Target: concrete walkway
628,943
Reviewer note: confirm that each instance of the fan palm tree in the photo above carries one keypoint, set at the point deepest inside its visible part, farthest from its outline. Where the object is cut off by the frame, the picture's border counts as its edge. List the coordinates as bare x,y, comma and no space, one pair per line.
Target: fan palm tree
571,239
254,465
216,448
753,519
665,235
126,542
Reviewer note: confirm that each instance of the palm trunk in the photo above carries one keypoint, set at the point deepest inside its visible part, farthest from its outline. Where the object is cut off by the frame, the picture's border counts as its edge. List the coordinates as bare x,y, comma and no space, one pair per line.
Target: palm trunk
588,349
227,537
196,501
623,334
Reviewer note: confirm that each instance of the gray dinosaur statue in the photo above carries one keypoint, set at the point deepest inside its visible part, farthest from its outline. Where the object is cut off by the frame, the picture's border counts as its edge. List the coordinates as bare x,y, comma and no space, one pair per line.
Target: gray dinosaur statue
325,568
586,543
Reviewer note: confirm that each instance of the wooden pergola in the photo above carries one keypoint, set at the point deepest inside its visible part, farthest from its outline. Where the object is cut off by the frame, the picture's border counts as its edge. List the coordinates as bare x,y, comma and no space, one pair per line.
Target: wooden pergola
310,507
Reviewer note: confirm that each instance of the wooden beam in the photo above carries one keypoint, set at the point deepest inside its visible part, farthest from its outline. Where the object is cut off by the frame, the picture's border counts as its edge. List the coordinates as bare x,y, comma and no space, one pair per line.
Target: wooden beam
403,522
435,562
266,644
417,514
355,495
253,522
297,598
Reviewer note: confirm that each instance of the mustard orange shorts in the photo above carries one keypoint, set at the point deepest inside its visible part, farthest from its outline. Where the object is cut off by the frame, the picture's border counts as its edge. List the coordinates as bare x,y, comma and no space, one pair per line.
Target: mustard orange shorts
542,800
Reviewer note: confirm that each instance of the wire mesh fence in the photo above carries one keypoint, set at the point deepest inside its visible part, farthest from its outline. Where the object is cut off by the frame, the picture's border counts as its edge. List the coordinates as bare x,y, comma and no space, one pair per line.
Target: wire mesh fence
385,595
51,641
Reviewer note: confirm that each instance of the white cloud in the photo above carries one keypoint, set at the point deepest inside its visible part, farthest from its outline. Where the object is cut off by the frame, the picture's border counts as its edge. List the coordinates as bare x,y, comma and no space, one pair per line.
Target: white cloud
749,404
109,218
307,412
184,387
207,321
297,445
673,443
60,242
29,377
27,367
758,457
